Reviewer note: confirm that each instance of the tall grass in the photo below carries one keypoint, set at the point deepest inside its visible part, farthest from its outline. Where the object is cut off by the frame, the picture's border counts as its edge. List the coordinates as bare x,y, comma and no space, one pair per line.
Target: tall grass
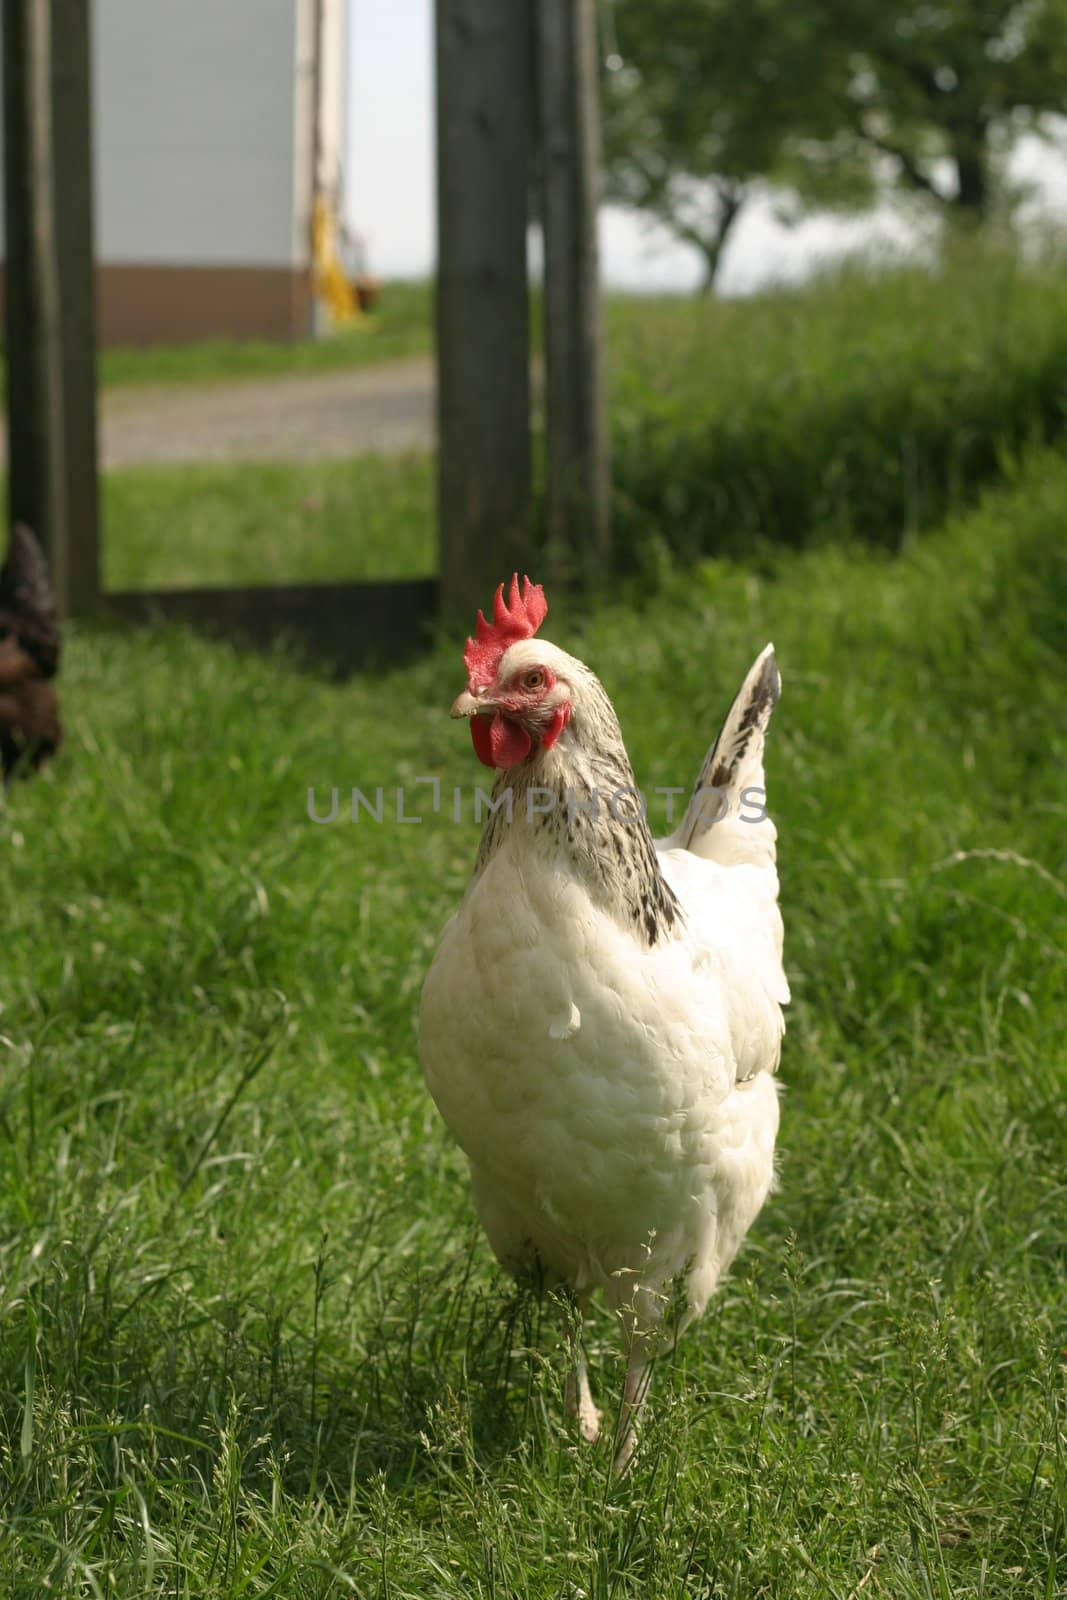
250,1343
858,407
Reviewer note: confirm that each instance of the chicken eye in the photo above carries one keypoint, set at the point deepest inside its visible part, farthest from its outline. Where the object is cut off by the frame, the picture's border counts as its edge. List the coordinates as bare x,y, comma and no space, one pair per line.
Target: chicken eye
534,679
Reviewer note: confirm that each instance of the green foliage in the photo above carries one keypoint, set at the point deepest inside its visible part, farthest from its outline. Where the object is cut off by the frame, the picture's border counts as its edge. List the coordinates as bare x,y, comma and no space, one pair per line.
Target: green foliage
859,408
705,98
250,1344
709,97
954,83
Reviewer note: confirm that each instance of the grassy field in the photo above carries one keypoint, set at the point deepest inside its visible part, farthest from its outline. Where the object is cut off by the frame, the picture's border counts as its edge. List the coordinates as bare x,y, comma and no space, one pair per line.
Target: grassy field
251,1343
863,408
170,527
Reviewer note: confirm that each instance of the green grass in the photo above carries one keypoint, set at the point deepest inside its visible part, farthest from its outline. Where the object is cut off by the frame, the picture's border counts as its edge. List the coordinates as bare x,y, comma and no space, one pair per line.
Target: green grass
861,406
174,527
400,326
250,1342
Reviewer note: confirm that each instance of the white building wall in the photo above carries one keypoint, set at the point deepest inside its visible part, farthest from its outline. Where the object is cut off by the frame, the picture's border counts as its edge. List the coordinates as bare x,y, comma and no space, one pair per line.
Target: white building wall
194,112
303,125
194,109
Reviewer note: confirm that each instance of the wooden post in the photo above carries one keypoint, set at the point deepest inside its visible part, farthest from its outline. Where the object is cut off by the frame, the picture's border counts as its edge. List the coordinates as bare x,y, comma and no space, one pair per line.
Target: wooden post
483,334
579,487
49,291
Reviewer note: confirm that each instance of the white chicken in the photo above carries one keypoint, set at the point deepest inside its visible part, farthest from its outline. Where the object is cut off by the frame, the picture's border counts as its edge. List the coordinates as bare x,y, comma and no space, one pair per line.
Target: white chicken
602,1020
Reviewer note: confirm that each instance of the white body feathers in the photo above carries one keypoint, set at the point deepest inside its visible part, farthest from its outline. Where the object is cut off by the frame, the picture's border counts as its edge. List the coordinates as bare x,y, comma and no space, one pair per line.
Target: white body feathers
609,1078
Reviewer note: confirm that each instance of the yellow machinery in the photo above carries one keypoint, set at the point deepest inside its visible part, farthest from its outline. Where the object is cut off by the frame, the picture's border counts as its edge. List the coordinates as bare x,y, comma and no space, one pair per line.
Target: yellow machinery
331,284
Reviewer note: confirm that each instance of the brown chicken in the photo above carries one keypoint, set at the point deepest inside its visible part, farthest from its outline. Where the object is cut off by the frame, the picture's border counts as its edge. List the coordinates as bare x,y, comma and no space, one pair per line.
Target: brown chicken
30,730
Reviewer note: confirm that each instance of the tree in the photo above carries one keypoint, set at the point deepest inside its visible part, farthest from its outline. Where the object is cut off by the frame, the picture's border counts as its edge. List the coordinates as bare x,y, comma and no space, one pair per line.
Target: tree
944,89
701,100
830,100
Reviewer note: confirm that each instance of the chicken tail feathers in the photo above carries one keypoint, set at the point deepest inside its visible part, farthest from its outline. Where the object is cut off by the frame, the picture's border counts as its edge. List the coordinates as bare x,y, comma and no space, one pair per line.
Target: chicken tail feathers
727,818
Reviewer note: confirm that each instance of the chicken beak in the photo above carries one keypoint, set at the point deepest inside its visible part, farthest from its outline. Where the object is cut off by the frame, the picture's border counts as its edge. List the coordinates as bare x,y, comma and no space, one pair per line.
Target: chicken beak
466,705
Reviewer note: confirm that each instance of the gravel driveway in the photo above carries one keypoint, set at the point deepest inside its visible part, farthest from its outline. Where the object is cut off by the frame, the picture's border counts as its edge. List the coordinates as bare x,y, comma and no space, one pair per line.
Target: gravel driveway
384,410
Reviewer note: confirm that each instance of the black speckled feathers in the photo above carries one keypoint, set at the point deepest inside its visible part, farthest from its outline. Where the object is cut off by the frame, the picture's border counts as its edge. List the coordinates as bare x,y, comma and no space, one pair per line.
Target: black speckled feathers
581,800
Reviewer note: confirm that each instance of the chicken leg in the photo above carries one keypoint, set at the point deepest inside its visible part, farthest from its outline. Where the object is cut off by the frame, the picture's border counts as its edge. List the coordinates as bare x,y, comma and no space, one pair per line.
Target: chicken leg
634,1395
578,1397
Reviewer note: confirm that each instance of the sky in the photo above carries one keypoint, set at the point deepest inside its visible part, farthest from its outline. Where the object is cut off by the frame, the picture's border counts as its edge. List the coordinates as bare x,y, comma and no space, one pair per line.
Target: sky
390,181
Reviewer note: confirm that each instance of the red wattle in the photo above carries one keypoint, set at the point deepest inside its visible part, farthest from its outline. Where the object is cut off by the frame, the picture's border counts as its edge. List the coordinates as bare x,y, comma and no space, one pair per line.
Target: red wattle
499,742
560,719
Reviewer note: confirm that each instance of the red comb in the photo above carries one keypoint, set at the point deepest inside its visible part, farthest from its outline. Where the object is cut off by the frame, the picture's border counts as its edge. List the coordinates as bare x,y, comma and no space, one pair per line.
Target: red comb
518,617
